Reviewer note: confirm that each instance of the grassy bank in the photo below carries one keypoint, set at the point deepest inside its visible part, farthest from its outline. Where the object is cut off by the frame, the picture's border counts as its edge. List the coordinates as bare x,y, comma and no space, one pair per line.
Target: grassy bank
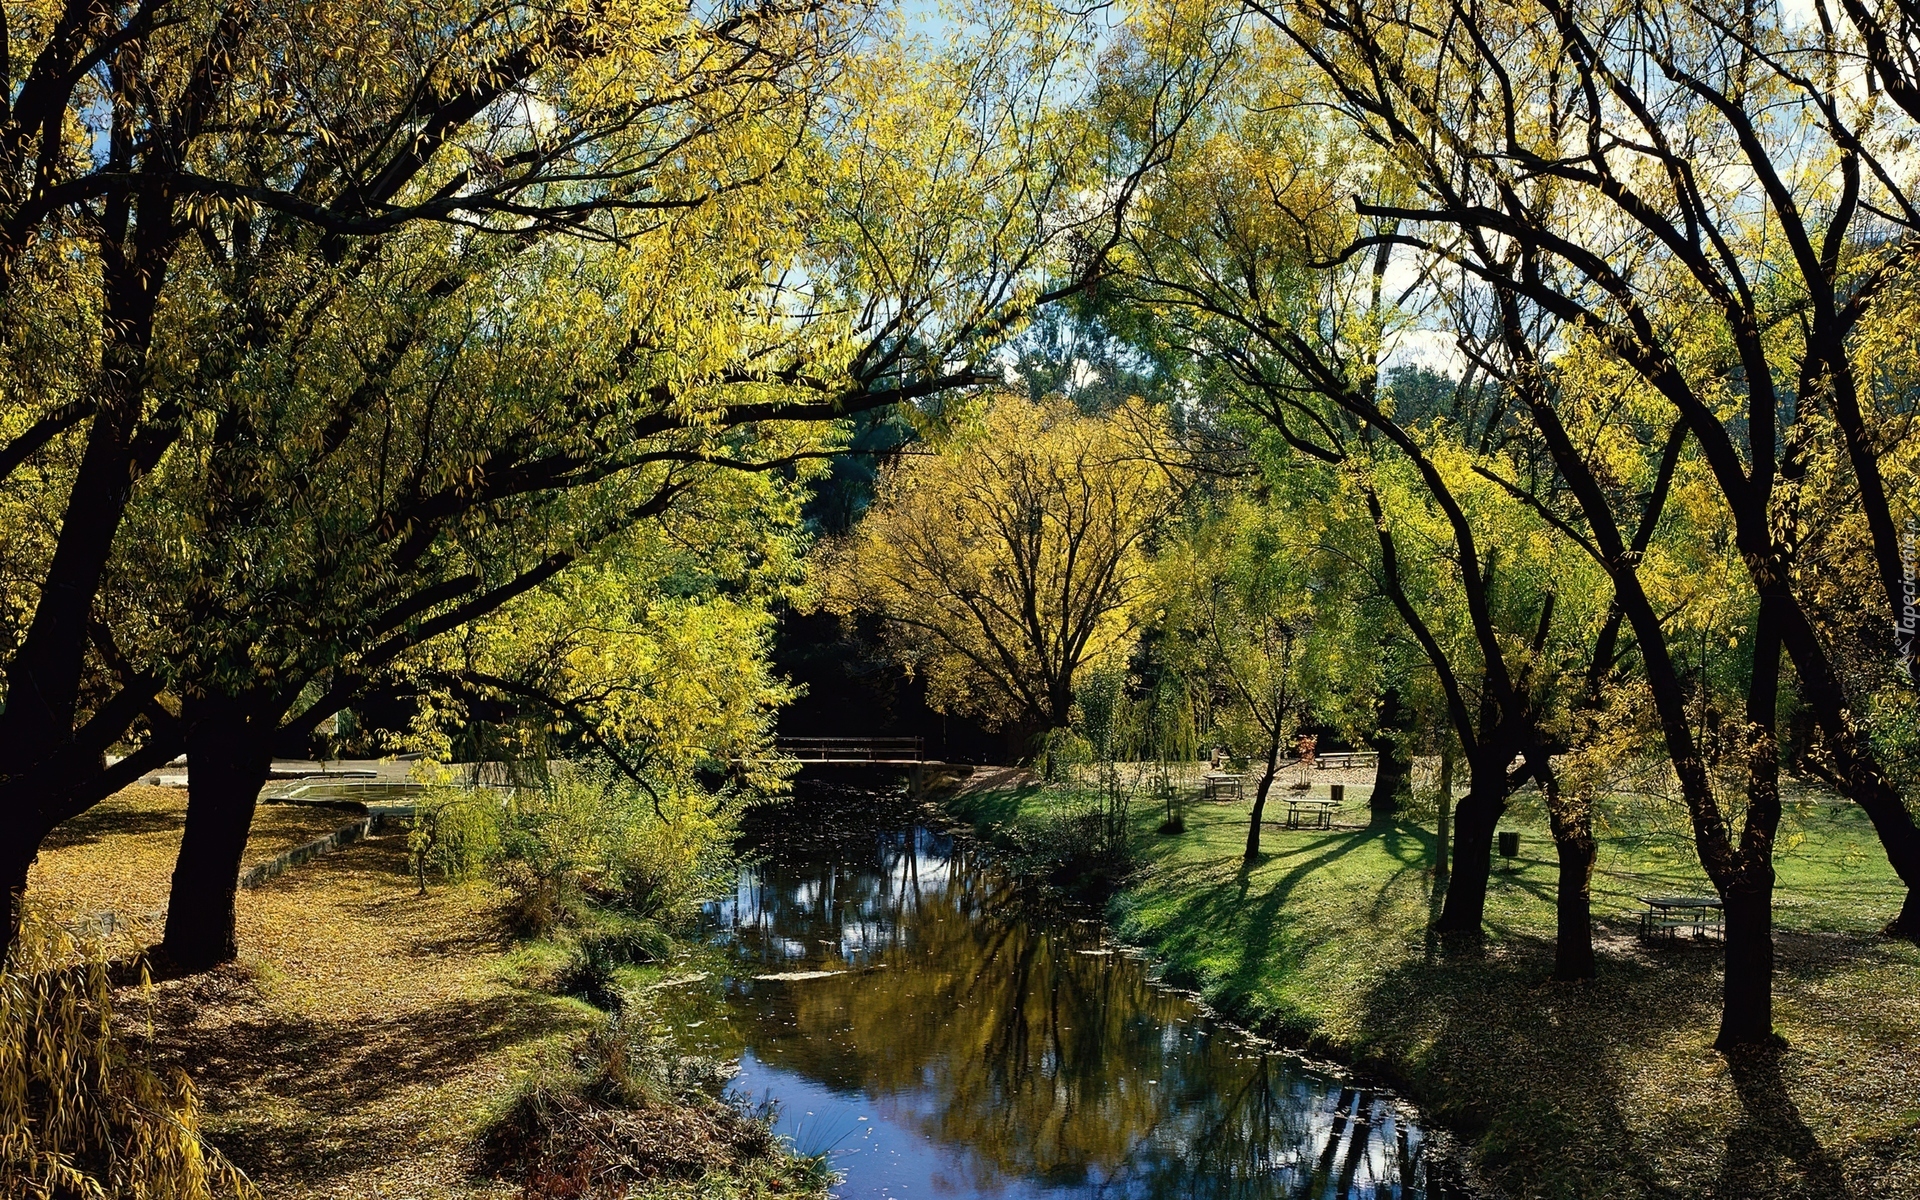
369,1034
1608,1089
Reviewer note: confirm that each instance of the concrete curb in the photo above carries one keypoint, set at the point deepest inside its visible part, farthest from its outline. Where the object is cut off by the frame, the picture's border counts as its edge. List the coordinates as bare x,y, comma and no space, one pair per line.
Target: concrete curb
346,835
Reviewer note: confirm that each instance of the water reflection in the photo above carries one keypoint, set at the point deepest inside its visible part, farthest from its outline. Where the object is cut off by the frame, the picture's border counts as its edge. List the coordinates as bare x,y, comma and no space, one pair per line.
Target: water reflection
906,1009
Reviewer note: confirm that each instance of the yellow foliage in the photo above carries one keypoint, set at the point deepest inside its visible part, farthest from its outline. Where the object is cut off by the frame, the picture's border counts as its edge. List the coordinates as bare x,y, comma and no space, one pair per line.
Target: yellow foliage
80,1115
1013,558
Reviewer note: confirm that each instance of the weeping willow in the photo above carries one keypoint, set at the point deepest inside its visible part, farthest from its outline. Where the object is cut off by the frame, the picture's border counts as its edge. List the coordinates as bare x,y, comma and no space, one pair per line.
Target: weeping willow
80,1114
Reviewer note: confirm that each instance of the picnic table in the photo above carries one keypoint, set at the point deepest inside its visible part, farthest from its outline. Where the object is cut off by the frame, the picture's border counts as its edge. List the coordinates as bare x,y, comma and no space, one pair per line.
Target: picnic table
1345,760
1223,787
1669,914
1310,813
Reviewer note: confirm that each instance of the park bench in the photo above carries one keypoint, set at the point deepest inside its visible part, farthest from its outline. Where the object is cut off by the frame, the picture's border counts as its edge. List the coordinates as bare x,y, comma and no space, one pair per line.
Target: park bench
1304,813
1667,915
1222,787
1345,760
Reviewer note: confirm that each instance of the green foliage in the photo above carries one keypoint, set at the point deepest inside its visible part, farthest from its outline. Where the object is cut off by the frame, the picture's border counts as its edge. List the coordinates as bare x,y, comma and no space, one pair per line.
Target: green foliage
1247,613
81,1115
587,835
1061,752
456,832
640,259
654,653
1893,723
597,955
1077,840
1149,716
1103,713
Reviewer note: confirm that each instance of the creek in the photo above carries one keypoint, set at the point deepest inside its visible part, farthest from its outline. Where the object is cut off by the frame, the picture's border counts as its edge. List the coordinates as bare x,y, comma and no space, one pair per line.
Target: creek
941,1033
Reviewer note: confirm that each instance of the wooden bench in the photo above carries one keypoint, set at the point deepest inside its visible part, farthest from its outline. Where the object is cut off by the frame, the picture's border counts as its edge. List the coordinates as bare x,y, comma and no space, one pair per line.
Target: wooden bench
1669,914
1223,787
1345,760
1303,813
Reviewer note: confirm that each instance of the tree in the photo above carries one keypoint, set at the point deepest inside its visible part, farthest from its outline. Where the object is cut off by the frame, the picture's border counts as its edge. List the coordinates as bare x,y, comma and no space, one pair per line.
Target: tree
1014,557
400,417
1740,297
1251,613
652,655
1228,255
156,154
633,697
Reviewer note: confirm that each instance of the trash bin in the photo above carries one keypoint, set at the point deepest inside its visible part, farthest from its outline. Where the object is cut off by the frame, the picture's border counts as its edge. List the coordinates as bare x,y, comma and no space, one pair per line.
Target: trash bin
1509,843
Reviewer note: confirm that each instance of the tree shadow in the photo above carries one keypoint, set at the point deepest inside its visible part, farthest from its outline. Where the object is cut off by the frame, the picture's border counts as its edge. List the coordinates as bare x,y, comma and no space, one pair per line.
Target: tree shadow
301,1100
105,821
1555,1086
1234,902
1535,1074
991,806
1521,1069
1771,1152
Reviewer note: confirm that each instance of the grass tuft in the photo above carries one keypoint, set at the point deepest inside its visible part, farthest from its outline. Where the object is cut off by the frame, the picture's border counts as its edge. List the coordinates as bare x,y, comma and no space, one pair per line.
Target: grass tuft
81,1114
633,1114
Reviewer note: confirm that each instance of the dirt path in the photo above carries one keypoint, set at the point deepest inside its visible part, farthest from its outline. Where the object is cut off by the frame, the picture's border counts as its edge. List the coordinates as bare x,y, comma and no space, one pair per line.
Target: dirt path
366,1031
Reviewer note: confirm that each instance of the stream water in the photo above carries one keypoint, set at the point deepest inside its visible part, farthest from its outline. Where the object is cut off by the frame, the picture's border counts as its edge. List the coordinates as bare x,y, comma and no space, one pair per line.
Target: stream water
913,1013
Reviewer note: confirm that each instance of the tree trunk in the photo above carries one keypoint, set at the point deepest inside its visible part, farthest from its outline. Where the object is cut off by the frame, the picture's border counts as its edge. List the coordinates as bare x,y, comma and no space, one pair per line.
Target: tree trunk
1443,828
62,797
19,856
1868,786
229,754
1260,795
1573,909
1478,814
1907,923
43,678
1746,1013
1859,775
1746,1009
1392,779
1572,821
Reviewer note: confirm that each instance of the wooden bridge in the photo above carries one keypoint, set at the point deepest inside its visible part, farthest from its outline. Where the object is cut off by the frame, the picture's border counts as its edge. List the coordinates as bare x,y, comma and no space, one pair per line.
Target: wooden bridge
853,751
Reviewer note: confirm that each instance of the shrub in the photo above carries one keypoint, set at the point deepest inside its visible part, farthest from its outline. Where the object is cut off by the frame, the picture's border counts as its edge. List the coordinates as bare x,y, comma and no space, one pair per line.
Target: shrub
650,850
628,1110
1083,846
456,832
80,1115
1061,752
600,953
672,852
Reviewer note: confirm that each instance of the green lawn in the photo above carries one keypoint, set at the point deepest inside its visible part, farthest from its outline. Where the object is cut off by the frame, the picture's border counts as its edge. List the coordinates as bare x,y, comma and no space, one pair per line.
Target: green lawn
1605,1089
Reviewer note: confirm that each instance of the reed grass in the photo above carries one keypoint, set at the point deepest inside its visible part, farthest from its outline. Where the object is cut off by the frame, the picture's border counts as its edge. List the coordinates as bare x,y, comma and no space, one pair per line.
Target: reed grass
81,1113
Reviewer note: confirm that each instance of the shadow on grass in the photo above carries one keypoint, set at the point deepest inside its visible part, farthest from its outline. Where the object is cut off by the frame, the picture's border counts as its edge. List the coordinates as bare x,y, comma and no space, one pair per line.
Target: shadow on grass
1523,1068
985,807
1772,1152
1529,1070
308,1100
1549,1081
300,1099
1220,893
111,821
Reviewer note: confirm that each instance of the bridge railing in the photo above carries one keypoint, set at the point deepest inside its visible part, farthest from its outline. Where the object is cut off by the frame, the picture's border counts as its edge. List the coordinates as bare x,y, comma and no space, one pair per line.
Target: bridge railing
852,749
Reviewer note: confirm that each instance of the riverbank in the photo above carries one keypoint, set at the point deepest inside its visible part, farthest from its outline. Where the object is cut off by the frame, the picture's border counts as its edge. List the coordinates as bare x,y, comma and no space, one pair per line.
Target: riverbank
1604,1089
369,1034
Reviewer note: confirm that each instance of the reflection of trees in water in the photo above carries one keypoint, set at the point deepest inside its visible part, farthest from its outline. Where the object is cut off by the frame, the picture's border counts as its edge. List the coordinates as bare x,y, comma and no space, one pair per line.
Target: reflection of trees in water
1014,1039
